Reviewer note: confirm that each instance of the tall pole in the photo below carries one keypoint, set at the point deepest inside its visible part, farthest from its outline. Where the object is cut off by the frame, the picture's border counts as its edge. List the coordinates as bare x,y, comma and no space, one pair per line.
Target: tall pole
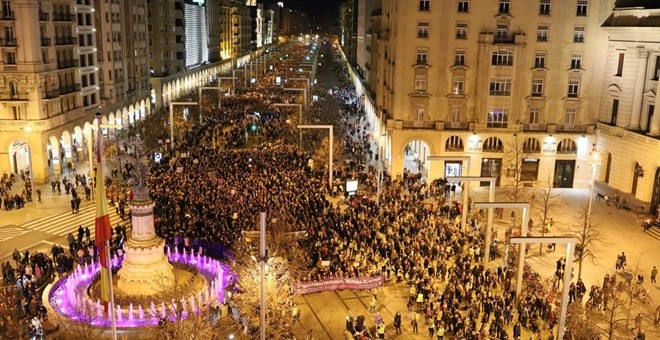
489,223
330,158
521,255
262,269
172,125
567,283
29,159
112,294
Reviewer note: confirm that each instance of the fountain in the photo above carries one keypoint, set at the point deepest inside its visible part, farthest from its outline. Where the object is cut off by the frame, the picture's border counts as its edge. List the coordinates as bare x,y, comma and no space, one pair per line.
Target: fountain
148,273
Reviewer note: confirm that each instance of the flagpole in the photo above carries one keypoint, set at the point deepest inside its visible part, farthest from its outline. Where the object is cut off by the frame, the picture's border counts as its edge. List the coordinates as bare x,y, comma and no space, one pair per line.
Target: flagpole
112,294
101,209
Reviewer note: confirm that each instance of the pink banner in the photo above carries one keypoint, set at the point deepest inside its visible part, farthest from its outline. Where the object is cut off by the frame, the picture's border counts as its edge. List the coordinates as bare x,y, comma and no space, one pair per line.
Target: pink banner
340,283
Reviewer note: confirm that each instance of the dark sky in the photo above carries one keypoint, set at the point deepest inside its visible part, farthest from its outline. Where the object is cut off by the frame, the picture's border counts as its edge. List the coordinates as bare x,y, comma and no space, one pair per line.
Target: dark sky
314,7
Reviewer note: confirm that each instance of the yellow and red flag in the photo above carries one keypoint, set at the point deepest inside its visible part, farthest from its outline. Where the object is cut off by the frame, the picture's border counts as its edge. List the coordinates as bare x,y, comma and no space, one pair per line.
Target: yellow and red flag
102,233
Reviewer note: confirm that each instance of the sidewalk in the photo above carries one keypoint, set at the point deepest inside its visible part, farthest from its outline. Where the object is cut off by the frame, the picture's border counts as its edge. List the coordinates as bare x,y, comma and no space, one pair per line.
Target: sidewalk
52,203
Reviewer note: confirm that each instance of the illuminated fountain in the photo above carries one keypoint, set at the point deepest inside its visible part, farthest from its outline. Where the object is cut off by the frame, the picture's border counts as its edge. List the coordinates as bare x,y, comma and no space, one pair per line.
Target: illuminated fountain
148,275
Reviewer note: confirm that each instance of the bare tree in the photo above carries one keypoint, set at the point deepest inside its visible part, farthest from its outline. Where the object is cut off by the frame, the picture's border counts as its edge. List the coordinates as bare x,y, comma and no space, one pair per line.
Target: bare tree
514,156
614,311
588,237
81,328
286,261
549,202
579,323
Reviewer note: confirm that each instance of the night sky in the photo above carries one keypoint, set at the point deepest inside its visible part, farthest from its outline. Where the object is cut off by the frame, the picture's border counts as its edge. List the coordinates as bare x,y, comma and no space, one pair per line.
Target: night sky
314,7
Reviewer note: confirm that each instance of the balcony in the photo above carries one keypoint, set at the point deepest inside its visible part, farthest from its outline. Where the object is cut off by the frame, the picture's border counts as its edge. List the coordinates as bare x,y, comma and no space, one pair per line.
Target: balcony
43,16
59,41
533,127
457,126
64,64
63,17
69,89
497,124
578,39
461,35
45,42
499,93
52,94
8,42
7,16
537,94
541,38
504,38
418,124
571,128
13,97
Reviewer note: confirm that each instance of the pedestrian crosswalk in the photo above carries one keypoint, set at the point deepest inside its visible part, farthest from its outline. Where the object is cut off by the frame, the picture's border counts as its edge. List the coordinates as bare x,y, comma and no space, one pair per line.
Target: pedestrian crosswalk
11,231
63,224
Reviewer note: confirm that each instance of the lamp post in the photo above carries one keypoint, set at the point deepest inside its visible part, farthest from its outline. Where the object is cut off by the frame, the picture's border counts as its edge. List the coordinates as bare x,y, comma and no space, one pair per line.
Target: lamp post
331,142
172,104
219,88
262,272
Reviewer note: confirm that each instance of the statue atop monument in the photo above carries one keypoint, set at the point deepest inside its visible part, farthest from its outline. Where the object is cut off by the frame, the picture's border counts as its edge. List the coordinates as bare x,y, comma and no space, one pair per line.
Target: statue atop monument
138,175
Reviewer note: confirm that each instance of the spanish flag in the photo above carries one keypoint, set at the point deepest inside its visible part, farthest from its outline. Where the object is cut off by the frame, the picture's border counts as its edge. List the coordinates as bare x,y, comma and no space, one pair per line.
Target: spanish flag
102,233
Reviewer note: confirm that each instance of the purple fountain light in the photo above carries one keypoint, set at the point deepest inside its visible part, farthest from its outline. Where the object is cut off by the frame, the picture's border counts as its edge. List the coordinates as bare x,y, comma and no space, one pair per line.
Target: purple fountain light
68,296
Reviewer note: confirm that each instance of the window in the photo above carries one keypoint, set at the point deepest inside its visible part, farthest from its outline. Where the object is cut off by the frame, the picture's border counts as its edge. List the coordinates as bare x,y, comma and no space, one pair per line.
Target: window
619,66
542,33
539,60
573,88
6,7
10,58
656,72
92,79
456,113
458,85
423,30
570,117
504,6
420,83
582,6
502,32
9,34
500,86
544,8
17,112
454,143
461,30
502,58
424,5
578,34
498,118
13,89
83,80
532,145
418,114
422,56
463,5
576,61
459,57
537,87
534,115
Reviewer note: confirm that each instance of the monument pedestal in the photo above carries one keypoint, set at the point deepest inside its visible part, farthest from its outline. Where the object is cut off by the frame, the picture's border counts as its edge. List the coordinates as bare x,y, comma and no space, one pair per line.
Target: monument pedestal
145,270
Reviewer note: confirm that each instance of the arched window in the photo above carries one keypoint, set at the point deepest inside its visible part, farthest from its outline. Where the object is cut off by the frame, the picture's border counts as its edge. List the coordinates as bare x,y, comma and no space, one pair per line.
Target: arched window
454,143
567,146
13,89
493,144
532,145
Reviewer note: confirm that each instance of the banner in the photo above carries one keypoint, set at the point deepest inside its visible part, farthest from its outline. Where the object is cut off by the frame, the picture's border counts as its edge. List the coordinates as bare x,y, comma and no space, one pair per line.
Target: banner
340,283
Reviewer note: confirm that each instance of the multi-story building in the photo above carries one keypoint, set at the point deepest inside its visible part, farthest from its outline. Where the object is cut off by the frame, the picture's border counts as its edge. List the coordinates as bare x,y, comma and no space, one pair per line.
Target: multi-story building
348,26
241,26
487,79
57,77
196,34
629,123
257,24
364,38
167,39
294,22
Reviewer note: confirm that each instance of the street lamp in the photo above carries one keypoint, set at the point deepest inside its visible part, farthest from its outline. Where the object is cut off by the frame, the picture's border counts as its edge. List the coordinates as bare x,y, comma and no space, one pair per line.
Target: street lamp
330,145
172,104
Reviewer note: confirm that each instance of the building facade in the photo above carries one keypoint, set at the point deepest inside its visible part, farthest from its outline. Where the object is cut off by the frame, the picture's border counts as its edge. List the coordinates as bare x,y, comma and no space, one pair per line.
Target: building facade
53,80
629,123
486,80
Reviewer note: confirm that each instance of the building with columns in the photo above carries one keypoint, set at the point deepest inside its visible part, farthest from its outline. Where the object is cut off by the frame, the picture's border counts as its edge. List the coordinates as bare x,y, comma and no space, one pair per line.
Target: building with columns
629,123
52,80
487,79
